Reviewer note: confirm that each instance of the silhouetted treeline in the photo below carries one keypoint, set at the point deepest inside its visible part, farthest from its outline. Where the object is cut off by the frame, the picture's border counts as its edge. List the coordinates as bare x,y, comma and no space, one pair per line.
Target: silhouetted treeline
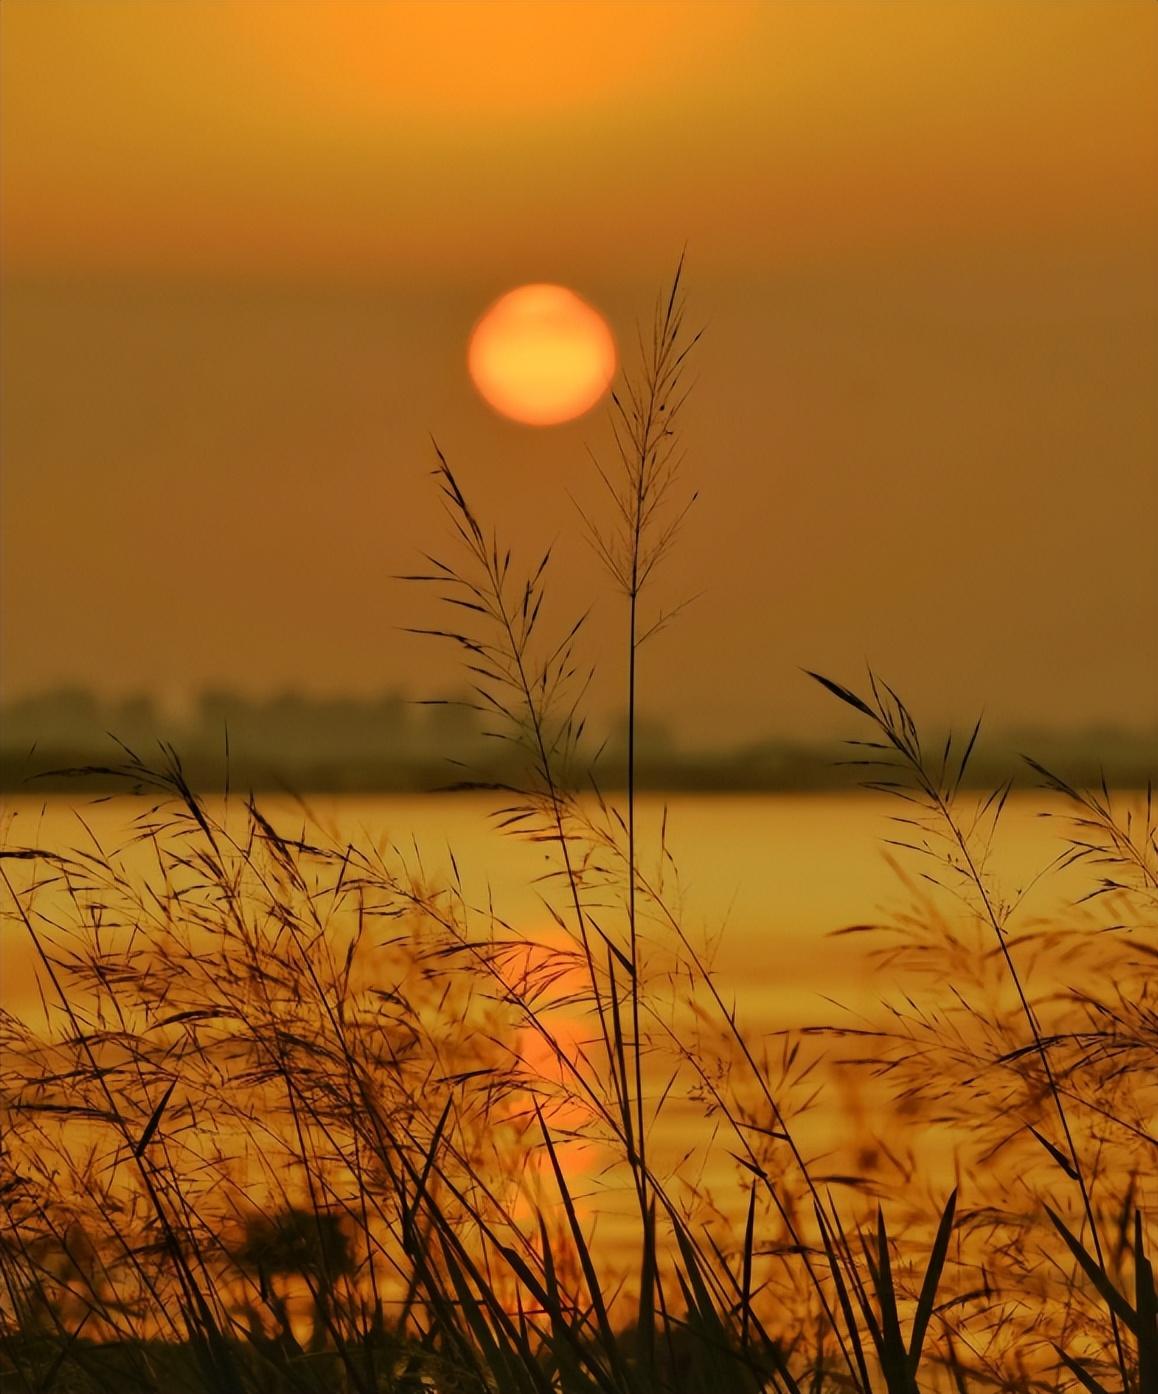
389,744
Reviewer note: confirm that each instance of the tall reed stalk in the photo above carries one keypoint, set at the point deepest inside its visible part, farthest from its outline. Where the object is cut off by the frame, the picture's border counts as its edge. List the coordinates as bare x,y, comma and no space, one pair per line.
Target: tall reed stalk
935,829
646,516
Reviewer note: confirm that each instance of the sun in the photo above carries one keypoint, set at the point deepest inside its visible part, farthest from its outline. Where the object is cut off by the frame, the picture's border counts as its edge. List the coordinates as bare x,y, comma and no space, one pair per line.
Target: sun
541,355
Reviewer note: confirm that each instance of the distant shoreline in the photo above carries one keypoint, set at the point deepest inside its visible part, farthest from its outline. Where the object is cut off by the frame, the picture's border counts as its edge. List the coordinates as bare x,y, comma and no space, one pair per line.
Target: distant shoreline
758,769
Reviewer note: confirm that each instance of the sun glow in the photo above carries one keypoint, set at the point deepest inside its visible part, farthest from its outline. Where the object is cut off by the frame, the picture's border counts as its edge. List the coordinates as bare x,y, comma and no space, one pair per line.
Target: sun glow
541,355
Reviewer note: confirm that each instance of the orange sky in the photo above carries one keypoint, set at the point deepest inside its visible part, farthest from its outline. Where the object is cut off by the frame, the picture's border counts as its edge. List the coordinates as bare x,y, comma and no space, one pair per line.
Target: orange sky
338,137
245,242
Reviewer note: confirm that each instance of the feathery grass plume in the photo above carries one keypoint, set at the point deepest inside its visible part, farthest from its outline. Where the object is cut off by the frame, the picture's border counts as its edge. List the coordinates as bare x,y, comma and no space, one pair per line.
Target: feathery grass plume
229,1027
529,683
1074,1067
646,518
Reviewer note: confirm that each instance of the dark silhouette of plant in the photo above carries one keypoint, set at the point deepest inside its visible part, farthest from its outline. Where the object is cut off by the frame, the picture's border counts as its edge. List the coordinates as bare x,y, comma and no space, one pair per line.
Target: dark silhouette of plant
304,1244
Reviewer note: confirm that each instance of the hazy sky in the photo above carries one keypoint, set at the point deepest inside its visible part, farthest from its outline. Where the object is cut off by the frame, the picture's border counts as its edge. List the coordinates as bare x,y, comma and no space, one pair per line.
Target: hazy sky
246,240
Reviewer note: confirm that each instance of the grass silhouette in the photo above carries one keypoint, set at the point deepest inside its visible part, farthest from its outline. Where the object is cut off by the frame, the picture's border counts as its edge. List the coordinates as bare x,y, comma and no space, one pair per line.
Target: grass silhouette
302,1118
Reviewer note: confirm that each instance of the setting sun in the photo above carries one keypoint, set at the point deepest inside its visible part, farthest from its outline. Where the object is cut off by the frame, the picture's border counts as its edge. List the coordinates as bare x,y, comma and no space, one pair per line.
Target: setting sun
541,355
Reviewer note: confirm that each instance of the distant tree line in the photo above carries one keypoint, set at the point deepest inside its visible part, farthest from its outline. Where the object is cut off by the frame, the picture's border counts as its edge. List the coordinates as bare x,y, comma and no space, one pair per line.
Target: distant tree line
389,743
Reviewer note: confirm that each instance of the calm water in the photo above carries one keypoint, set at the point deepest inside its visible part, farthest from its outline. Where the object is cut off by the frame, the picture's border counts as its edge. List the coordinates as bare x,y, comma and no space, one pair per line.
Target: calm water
763,879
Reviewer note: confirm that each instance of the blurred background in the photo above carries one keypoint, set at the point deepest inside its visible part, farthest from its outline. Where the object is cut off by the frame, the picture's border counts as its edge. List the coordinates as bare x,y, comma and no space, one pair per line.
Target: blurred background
245,243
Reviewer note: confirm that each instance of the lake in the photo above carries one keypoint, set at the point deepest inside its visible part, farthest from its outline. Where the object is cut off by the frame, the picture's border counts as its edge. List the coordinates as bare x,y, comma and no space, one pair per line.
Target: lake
766,879
763,887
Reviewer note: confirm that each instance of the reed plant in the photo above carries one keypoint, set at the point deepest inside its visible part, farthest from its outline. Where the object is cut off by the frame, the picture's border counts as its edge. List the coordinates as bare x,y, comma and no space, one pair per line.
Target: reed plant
295,1114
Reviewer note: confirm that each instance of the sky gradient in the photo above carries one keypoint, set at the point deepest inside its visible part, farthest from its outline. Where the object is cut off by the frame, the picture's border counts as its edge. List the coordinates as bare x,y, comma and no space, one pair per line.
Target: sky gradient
245,243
